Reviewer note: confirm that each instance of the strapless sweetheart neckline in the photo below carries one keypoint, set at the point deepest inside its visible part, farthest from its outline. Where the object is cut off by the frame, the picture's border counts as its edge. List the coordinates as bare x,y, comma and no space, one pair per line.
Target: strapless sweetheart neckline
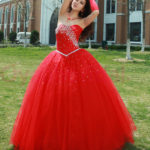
71,25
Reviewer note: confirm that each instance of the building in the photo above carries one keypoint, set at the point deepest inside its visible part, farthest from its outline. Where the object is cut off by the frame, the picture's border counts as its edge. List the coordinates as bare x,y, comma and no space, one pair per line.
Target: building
11,18
115,20
42,16
110,25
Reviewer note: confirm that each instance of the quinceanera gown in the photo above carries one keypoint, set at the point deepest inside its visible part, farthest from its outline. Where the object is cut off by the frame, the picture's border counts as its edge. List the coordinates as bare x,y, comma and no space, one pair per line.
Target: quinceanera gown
71,103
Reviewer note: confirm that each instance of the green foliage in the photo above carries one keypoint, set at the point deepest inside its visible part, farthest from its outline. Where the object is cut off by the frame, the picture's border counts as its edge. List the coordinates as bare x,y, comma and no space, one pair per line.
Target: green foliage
1,36
12,36
34,37
86,45
147,48
112,47
104,44
123,48
116,47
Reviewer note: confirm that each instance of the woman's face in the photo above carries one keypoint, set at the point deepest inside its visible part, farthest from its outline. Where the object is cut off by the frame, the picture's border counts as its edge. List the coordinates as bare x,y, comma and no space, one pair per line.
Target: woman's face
78,5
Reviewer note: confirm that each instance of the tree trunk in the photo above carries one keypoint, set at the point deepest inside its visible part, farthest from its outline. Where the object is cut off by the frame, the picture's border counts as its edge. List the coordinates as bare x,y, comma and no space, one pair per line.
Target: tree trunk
128,56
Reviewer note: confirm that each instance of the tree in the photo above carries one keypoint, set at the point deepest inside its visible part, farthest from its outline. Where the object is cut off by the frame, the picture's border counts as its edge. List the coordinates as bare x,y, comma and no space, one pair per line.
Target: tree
143,13
128,56
34,37
25,11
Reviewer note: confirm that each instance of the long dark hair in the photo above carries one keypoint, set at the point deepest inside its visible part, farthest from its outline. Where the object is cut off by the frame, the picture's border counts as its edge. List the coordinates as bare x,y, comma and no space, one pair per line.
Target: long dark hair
88,31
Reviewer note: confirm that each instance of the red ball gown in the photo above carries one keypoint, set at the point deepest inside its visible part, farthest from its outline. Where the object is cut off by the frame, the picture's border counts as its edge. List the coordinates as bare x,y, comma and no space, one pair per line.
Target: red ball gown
71,103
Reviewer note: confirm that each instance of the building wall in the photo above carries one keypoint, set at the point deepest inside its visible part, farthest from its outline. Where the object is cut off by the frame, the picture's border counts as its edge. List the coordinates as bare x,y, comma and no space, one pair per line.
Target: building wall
34,17
37,14
3,26
120,19
40,18
121,23
147,23
100,24
41,12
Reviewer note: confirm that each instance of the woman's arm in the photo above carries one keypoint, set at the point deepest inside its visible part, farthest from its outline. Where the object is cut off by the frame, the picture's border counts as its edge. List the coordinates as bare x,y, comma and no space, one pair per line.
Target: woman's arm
95,12
90,18
64,7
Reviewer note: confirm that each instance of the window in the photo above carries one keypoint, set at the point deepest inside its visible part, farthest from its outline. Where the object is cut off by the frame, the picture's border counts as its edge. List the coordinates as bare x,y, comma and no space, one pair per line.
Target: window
110,6
135,5
19,13
139,4
113,6
110,32
12,15
1,14
6,15
27,11
135,30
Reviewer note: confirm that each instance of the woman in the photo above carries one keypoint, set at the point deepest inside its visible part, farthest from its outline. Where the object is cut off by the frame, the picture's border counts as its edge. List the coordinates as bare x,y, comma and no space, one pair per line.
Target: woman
70,102
80,12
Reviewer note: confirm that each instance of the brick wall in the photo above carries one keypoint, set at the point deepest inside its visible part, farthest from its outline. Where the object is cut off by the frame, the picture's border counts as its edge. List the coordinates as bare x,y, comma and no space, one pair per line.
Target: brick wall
34,19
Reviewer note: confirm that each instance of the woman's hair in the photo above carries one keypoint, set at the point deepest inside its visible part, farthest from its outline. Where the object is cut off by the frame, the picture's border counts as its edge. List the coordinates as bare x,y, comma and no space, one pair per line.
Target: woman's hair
88,31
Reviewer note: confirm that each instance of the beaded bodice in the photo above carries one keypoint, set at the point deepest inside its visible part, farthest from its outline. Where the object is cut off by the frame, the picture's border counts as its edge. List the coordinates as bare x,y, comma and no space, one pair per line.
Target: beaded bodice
67,37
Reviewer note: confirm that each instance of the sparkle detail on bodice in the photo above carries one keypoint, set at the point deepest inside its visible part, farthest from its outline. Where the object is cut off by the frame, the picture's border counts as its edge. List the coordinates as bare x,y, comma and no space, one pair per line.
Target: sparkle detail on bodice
67,37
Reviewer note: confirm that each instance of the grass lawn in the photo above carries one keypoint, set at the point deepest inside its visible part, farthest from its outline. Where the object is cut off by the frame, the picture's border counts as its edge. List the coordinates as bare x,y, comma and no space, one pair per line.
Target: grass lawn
132,80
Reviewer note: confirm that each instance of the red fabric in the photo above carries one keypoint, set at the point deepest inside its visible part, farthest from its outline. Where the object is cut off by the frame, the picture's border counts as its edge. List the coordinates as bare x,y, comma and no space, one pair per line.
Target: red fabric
71,103
93,5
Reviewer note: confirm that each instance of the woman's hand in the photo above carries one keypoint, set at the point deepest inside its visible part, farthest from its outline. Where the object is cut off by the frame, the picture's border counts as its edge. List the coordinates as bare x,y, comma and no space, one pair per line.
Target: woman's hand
93,5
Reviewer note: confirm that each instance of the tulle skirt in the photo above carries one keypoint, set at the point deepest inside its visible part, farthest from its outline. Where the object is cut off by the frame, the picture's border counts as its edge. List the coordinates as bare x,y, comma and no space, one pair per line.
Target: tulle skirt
72,104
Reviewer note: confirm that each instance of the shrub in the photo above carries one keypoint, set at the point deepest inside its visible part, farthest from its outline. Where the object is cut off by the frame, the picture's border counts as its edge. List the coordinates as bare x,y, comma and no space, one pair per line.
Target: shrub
116,47
1,36
12,36
34,38
86,45
147,48
123,47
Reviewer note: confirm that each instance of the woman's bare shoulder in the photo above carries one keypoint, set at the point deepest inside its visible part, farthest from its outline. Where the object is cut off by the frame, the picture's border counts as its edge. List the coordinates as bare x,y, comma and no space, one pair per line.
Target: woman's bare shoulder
62,16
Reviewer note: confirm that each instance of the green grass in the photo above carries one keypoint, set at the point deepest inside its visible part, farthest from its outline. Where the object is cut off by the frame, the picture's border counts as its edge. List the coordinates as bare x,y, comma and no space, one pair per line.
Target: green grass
132,80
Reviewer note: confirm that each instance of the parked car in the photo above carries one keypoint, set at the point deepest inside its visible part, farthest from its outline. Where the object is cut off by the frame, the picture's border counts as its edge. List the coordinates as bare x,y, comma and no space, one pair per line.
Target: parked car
21,37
